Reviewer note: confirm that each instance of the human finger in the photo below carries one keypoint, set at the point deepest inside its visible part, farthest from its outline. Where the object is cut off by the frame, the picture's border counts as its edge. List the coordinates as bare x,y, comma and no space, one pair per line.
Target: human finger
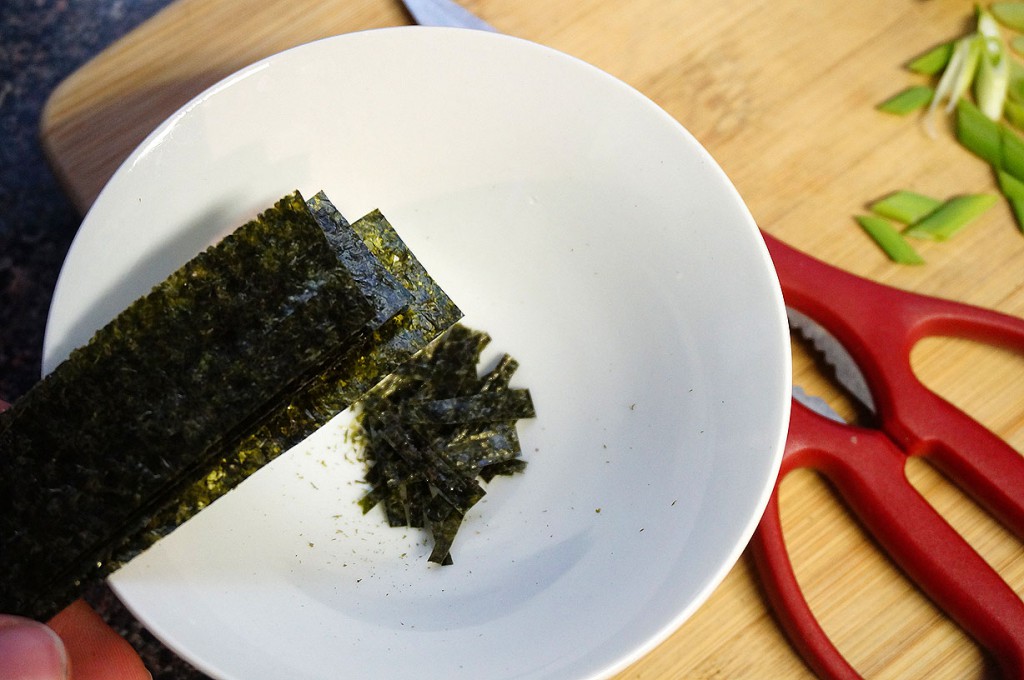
29,650
95,651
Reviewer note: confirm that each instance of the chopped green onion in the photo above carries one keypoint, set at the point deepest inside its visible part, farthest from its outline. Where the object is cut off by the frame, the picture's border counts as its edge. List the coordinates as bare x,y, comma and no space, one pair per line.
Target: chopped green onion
907,101
957,77
996,143
1009,14
1014,114
905,206
978,133
1015,88
990,87
1013,190
1010,185
951,217
993,75
932,61
1000,146
889,240
969,50
1011,157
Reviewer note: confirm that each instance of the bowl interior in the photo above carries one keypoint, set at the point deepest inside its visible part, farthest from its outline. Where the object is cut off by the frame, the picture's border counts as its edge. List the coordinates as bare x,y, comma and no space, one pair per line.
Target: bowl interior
593,238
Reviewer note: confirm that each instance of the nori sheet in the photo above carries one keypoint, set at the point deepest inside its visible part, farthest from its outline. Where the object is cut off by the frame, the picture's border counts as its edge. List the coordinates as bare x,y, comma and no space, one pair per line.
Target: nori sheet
433,427
430,312
123,433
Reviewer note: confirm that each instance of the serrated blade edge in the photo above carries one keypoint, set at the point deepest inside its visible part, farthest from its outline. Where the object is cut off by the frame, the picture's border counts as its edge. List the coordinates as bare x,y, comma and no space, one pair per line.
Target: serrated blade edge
816,404
847,371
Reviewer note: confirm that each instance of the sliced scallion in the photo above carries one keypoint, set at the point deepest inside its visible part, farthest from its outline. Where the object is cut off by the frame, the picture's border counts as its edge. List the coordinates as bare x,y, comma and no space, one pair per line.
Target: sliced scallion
932,61
889,239
1013,190
996,143
993,75
969,48
951,217
1014,114
956,79
1011,157
978,133
1015,88
907,101
1009,14
905,206
1013,109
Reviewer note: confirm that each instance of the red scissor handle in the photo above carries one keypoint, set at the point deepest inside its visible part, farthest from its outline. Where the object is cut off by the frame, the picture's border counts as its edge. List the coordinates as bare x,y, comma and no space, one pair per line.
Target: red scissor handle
867,470
879,326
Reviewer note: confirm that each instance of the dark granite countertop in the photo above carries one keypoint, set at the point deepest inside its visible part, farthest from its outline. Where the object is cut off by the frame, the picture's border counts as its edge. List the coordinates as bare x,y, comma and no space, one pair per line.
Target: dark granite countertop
41,43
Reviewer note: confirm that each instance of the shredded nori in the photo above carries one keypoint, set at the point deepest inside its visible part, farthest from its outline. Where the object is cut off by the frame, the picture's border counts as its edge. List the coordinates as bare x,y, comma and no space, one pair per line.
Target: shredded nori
246,349
485,407
433,427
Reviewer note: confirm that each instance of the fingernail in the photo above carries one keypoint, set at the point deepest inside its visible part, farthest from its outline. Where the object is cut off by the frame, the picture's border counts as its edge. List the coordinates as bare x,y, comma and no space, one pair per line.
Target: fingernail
30,651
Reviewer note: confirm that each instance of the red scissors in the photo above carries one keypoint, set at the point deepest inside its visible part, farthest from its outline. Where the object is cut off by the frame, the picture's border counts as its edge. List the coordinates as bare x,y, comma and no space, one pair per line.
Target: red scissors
878,325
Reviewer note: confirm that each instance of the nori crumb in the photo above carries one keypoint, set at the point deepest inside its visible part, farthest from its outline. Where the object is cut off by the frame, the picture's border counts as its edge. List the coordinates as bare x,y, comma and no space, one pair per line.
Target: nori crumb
433,427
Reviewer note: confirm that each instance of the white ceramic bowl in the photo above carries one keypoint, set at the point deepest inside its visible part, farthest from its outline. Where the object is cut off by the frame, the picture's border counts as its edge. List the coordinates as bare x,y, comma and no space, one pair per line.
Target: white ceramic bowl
593,238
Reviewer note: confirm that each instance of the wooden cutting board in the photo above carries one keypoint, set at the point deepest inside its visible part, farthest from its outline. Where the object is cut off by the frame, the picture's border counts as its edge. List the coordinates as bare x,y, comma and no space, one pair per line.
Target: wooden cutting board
782,93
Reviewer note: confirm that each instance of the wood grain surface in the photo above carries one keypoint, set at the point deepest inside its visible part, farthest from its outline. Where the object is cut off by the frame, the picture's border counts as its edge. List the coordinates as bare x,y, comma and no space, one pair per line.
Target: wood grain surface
782,93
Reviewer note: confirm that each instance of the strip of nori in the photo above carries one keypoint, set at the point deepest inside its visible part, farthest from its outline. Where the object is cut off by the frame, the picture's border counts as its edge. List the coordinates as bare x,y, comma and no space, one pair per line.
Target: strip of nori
38,589
432,427
484,407
448,368
385,291
473,448
500,377
444,531
429,313
460,491
507,467
478,446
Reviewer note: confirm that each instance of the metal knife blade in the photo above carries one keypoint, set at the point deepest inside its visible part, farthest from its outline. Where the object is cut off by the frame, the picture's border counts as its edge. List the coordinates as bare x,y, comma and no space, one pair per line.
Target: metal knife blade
847,372
445,13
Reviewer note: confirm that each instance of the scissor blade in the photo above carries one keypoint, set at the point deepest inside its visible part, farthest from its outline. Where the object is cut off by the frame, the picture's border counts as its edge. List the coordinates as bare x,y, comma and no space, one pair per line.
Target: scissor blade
445,13
816,404
847,372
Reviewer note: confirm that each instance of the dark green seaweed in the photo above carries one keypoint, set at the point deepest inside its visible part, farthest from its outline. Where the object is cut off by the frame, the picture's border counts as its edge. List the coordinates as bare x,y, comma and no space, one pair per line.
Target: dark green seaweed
475,447
485,407
433,427
506,467
370,274
429,313
122,435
